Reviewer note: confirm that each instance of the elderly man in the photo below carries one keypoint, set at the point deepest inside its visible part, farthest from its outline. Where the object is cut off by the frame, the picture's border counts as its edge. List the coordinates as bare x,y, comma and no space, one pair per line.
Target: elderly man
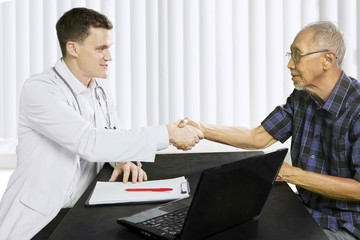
322,116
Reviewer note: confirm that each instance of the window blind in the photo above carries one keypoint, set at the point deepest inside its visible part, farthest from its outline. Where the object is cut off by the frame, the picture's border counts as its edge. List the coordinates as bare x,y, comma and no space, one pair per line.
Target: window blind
220,61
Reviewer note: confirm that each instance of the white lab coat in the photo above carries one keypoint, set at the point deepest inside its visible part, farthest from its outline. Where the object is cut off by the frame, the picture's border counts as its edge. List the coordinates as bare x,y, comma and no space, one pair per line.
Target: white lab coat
52,139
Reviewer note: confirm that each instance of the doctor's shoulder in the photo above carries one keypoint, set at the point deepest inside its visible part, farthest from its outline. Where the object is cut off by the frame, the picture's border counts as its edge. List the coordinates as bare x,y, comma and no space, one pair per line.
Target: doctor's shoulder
43,85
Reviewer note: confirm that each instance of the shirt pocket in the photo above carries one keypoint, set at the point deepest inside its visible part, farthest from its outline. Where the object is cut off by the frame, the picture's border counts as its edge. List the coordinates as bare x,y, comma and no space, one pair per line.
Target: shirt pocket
38,201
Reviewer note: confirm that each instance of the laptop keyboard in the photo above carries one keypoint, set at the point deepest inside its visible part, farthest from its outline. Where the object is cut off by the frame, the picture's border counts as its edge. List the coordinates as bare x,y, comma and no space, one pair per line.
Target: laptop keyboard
170,223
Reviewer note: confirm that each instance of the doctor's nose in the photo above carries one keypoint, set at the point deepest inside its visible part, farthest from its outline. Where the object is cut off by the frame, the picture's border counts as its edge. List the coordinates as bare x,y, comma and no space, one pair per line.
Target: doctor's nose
107,56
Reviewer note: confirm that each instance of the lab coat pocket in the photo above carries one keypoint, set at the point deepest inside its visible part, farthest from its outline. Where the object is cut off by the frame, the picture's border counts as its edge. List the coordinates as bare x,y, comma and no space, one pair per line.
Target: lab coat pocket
38,201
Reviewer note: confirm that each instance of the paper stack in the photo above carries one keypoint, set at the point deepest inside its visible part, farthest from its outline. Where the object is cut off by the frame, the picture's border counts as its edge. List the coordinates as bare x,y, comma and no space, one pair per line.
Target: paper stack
148,191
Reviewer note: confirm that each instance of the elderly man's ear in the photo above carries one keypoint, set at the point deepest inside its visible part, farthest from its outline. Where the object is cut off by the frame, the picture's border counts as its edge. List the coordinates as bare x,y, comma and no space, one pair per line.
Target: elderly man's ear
330,60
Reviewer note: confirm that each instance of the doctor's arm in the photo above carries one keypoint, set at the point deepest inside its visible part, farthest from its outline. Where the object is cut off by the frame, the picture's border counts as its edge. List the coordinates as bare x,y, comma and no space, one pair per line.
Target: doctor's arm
177,137
50,113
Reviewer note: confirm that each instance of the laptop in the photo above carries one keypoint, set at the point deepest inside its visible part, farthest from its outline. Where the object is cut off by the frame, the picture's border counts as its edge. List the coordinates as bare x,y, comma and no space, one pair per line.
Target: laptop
226,196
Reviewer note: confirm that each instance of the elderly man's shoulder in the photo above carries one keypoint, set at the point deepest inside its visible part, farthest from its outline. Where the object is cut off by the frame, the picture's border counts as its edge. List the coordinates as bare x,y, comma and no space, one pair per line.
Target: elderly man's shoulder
354,90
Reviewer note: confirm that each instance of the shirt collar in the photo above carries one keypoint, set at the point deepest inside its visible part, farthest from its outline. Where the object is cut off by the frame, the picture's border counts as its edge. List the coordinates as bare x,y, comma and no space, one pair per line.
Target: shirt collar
74,83
336,100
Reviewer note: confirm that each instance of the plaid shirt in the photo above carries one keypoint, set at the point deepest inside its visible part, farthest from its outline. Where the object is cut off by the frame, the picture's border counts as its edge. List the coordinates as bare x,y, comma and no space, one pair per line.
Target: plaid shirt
325,140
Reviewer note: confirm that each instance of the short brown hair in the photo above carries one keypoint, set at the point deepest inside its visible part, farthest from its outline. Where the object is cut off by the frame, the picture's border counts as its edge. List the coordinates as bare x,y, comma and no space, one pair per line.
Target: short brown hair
74,25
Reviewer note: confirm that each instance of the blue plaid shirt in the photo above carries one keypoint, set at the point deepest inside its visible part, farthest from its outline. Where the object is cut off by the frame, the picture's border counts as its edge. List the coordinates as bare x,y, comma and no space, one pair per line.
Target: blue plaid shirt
325,140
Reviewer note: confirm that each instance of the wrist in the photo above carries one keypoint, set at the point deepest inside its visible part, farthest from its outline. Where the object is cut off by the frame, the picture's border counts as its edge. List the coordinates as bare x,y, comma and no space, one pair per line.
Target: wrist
204,127
293,175
169,128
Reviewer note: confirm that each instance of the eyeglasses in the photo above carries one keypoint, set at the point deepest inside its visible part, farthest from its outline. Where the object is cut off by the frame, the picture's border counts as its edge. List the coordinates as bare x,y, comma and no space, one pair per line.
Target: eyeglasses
296,56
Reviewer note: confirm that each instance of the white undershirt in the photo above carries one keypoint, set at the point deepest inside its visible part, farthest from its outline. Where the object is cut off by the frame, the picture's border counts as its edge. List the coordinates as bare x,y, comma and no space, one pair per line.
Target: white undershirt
88,170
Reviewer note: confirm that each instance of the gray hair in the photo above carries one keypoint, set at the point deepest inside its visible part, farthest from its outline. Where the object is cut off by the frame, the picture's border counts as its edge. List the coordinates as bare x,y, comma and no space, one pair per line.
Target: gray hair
328,36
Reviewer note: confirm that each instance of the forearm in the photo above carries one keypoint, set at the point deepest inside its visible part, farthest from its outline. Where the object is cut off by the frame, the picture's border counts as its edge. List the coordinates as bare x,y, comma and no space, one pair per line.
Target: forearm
330,186
124,145
242,137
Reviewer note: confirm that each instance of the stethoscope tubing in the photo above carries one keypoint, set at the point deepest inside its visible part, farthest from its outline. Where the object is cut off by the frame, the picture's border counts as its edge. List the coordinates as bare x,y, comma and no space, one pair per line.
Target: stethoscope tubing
96,96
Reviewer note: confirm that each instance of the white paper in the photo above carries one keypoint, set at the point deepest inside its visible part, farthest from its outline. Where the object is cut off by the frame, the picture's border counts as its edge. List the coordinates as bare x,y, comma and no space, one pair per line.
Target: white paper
114,192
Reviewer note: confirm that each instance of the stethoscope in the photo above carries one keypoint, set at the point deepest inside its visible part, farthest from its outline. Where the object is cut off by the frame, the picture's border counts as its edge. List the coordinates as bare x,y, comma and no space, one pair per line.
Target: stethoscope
97,96
98,91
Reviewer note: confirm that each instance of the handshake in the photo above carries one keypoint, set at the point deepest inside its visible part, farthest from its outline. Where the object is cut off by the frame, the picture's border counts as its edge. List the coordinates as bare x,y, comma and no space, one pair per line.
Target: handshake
184,134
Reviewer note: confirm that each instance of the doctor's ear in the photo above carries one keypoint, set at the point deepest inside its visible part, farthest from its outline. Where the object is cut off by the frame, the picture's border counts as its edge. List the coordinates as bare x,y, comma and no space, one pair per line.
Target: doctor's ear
72,48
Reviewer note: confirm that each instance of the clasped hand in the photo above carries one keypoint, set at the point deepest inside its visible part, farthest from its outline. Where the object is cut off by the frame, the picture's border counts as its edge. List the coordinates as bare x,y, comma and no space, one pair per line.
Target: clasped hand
183,136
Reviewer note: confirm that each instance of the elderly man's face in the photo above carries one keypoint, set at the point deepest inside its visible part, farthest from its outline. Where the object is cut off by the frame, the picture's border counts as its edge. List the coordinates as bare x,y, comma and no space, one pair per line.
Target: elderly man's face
306,72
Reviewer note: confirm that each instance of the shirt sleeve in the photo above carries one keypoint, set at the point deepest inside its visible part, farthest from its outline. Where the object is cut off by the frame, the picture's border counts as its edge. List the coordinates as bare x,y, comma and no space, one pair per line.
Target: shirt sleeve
50,113
279,122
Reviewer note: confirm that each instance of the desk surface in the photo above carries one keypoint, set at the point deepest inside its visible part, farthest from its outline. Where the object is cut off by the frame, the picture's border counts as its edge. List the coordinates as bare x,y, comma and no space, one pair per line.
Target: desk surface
283,216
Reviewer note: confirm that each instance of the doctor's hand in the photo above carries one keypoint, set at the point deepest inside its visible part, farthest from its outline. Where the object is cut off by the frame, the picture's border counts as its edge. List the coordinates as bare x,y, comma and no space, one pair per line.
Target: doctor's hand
183,138
125,168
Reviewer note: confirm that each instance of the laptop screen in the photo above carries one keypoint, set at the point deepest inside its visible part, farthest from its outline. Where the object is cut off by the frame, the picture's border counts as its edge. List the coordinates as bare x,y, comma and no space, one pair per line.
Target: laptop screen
230,194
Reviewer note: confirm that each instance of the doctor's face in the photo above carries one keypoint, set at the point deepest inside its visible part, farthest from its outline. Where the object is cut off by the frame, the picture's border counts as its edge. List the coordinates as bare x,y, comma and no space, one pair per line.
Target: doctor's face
94,53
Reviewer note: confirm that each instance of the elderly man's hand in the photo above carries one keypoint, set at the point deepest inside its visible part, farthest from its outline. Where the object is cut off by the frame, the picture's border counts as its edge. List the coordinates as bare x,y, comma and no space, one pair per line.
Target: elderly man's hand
187,122
125,168
185,137
285,172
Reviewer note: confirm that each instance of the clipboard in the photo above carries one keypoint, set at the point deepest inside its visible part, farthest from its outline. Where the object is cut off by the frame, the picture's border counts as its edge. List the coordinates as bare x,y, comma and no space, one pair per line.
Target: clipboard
116,192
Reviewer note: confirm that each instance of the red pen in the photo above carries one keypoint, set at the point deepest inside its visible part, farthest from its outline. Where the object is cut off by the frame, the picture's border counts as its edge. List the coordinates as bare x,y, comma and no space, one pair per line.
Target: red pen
148,189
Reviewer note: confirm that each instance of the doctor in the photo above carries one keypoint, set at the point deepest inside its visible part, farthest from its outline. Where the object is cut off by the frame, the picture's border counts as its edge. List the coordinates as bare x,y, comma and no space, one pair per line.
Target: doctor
68,128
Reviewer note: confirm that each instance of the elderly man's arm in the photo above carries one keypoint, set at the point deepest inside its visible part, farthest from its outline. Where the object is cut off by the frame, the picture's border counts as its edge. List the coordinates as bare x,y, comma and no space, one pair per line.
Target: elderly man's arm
241,137
330,186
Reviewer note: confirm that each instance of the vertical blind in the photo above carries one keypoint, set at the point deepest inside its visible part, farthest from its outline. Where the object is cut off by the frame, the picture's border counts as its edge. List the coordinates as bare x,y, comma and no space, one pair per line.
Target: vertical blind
220,61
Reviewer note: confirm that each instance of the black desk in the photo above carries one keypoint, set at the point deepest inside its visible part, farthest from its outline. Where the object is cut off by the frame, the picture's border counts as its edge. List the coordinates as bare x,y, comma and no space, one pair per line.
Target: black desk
283,217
